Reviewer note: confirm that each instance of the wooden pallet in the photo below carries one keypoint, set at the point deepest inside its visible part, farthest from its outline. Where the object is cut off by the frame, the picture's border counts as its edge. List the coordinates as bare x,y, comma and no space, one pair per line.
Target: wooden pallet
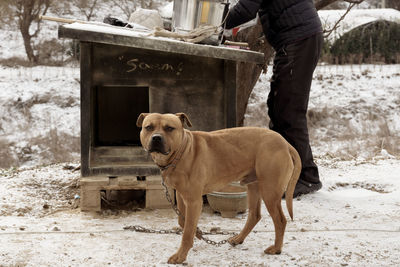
92,186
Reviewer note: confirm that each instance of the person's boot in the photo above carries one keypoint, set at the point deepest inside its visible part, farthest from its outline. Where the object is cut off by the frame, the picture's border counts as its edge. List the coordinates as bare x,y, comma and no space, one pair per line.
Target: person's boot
304,187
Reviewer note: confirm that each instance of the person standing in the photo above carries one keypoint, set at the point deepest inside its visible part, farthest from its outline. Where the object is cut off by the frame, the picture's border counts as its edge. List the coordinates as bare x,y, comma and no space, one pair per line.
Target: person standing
294,30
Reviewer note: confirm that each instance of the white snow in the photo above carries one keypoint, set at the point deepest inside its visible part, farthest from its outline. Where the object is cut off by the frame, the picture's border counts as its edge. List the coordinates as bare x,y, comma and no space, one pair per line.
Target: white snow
353,220
167,10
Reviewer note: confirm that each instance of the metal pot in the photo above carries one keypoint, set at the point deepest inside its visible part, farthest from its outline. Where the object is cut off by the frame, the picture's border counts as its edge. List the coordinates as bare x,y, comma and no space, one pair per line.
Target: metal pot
190,14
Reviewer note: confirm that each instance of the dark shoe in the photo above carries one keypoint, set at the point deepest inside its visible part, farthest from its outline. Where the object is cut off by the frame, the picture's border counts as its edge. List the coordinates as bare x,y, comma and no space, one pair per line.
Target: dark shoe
303,187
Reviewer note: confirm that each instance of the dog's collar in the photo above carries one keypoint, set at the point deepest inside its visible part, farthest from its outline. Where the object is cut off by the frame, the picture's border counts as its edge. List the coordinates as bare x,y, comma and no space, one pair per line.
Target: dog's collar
171,166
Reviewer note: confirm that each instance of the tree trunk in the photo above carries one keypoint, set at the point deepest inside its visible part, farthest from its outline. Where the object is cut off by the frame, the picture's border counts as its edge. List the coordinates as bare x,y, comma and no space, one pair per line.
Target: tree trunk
28,45
28,11
28,48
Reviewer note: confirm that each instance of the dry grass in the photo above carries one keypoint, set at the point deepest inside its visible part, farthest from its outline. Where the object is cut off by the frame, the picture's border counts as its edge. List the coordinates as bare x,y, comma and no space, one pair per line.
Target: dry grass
368,136
54,147
57,147
7,158
14,62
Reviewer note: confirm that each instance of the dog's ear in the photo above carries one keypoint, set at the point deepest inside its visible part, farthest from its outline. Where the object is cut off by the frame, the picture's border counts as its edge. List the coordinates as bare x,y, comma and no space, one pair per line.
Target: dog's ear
184,119
140,119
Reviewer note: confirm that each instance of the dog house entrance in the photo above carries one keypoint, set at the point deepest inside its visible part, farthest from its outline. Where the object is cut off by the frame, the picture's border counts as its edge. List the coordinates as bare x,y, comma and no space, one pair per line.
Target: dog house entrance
116,111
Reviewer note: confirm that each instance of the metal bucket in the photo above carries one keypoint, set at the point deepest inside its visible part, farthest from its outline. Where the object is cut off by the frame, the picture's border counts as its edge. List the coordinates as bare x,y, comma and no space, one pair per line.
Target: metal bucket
190,14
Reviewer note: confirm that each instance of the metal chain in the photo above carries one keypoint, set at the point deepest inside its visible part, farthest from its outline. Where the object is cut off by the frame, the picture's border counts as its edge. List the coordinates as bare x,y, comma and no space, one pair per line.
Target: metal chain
199,234
140,229
168,197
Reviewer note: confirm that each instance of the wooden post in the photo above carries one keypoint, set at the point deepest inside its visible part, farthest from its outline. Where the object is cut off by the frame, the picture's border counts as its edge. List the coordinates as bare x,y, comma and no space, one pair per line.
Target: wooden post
86,98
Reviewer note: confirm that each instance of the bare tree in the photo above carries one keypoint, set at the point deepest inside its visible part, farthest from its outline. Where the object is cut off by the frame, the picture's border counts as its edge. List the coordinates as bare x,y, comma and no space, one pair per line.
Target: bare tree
129,6
126,6
86,7
5,12
28,12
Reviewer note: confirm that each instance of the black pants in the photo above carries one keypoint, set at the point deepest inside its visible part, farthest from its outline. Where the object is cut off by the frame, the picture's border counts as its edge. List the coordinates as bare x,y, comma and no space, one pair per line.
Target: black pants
294,65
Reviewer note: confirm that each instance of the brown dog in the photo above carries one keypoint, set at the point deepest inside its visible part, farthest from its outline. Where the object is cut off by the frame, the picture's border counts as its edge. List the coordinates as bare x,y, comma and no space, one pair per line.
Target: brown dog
196,163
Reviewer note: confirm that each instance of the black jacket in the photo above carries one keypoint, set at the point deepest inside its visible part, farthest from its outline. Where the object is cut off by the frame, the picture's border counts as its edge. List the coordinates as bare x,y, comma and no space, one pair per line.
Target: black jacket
283,21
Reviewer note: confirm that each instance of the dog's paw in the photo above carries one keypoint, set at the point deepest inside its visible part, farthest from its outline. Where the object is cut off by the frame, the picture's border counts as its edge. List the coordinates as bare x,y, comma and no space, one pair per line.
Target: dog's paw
176,259
272,250
235,240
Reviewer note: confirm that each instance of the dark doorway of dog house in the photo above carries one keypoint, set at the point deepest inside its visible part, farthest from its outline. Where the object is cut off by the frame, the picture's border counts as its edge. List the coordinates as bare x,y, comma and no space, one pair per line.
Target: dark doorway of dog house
117,108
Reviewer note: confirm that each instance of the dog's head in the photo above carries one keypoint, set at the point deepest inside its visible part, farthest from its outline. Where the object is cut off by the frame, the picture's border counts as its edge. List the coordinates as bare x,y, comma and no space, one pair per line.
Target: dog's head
162,133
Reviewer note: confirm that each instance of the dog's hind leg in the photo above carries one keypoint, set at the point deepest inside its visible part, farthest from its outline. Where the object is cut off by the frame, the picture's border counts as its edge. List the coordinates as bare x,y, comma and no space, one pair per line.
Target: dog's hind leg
273,203
254,205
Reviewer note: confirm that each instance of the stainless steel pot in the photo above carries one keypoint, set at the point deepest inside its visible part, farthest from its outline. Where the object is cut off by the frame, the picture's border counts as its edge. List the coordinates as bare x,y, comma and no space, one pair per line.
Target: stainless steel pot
190,14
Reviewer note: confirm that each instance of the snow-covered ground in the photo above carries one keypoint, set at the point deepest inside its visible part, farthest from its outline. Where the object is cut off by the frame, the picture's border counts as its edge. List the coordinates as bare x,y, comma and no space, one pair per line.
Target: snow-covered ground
352,221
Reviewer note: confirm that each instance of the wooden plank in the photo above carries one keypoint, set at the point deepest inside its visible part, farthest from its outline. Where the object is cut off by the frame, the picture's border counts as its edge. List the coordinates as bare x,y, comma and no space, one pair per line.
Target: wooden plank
114,155
153,179
124,37
94,181
115,151
120,183
120,170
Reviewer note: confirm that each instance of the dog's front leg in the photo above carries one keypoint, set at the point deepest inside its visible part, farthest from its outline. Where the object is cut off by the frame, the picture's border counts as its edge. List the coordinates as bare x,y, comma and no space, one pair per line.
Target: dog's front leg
192,214
182,210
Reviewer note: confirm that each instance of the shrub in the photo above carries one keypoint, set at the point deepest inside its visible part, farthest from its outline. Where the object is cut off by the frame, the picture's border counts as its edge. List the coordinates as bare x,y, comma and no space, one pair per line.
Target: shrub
51,52
377,41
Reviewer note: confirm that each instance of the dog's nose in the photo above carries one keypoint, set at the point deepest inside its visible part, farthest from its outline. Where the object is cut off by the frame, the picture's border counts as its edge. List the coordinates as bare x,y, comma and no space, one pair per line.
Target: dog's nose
156,138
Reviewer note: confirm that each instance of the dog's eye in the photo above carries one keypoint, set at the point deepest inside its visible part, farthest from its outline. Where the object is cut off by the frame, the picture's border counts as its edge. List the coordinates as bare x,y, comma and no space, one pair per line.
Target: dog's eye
169,129
149,128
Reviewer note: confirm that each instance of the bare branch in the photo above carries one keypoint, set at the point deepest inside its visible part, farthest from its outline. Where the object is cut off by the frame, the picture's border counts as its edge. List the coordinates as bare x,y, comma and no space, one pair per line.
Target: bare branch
86,7
38,11
126,6
324,3
328,32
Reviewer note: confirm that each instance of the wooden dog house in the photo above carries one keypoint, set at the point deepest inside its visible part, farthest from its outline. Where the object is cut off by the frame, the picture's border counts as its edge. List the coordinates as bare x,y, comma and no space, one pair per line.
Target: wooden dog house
125,73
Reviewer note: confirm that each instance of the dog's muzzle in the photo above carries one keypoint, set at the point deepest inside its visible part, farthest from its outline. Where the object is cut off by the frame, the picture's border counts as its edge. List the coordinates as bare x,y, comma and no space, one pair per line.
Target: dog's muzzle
157,144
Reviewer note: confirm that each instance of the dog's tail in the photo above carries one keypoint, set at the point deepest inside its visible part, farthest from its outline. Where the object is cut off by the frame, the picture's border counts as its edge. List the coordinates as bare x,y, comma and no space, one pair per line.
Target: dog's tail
293,180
